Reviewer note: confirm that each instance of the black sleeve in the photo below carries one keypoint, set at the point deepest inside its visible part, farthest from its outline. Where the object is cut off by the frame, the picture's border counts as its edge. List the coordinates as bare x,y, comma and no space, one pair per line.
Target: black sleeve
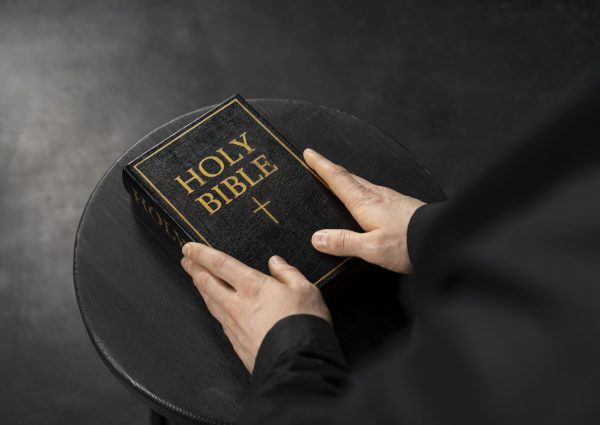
418,227
299,373
300,369
499,340
507,326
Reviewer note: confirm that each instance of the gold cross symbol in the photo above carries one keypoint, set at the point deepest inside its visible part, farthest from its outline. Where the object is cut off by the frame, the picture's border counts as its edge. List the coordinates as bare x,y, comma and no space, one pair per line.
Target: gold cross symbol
262,207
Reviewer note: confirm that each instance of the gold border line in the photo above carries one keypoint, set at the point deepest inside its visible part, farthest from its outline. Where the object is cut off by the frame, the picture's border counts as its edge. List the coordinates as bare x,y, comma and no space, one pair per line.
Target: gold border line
332,270
206,118
173,206
136,167
283,144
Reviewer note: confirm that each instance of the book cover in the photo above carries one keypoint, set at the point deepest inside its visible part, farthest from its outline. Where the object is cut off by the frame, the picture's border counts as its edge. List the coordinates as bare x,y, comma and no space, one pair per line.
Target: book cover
231,181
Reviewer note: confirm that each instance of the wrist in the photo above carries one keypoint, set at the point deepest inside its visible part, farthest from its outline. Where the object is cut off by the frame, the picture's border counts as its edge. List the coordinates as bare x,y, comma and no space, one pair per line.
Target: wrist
294,333
418,227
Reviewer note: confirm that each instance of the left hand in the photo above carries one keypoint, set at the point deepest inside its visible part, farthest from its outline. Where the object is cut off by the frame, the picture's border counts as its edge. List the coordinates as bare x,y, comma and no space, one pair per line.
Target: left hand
247,302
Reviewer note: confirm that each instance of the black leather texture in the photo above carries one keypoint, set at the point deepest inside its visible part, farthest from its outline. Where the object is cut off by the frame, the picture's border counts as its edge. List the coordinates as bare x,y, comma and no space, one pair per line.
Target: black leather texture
230,180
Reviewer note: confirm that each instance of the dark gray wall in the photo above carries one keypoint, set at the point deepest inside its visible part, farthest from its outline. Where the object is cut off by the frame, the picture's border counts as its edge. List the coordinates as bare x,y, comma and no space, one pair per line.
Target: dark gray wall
81,81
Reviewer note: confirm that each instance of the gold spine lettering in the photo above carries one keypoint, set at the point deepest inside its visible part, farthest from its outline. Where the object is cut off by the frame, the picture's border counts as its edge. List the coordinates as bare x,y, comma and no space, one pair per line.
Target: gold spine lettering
156,216
167,231
173,234
139,199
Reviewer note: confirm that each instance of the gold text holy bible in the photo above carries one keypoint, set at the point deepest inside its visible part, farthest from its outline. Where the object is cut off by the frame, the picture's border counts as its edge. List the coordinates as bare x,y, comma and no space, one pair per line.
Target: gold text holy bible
231,181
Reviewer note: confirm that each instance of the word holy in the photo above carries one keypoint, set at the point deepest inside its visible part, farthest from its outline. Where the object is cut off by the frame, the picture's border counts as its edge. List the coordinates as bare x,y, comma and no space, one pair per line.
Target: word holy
152,212
232,186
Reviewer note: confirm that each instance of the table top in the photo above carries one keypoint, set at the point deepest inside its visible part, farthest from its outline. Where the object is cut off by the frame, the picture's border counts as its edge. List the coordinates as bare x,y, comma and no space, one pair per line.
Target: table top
147,321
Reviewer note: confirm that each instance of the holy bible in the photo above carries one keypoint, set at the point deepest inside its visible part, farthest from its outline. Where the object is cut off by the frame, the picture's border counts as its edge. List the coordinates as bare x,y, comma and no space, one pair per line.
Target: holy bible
231,181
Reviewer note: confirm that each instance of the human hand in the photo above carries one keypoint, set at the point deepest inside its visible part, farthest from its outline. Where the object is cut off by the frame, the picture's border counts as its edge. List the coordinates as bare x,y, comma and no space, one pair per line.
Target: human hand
247,302
383,213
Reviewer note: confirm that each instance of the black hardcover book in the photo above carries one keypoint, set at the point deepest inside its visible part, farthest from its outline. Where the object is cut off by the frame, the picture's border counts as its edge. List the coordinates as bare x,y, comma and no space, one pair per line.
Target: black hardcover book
231,181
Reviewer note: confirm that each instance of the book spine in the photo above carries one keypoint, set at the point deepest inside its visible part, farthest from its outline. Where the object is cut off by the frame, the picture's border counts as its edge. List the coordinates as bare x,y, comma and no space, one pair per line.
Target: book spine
353,271
150,209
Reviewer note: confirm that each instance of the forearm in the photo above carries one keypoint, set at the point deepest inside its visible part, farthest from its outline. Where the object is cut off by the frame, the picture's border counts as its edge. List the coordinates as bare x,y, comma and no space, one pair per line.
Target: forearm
299,373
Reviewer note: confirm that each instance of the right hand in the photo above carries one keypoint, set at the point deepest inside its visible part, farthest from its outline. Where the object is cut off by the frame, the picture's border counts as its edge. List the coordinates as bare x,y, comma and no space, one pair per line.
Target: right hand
383,214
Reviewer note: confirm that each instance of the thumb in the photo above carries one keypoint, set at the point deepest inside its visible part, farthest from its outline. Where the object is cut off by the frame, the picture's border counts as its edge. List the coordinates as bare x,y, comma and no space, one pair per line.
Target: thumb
341,242
284,272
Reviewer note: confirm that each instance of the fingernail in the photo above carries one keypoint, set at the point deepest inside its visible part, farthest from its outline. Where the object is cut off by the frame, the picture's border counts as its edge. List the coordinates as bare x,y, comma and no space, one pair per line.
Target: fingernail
310,151
319,239
276,259
184,262
186,249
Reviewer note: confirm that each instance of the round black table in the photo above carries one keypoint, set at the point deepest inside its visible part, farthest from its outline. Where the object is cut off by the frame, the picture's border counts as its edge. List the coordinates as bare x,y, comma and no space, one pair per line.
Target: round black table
146,320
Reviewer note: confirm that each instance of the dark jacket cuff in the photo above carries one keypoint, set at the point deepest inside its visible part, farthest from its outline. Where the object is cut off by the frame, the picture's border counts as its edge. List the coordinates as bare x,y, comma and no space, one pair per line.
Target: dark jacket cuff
292,333
418,226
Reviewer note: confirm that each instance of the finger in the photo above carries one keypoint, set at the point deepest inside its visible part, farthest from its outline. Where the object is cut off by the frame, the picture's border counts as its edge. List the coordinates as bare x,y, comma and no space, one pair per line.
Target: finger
223,266
339,180
207,284
216,301
284,272
363,181
340,242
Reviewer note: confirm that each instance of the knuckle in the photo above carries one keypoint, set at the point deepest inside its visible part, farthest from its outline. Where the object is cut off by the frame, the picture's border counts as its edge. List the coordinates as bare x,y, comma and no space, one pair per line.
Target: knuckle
291,274
201,280
288,268
252,283
220,263
367,197
376,244
377,240
341,241
248,279
305,289
261,281
338,170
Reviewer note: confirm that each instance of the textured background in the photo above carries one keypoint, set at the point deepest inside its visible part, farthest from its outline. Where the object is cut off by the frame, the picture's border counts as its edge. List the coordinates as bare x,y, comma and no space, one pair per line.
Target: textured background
81,81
